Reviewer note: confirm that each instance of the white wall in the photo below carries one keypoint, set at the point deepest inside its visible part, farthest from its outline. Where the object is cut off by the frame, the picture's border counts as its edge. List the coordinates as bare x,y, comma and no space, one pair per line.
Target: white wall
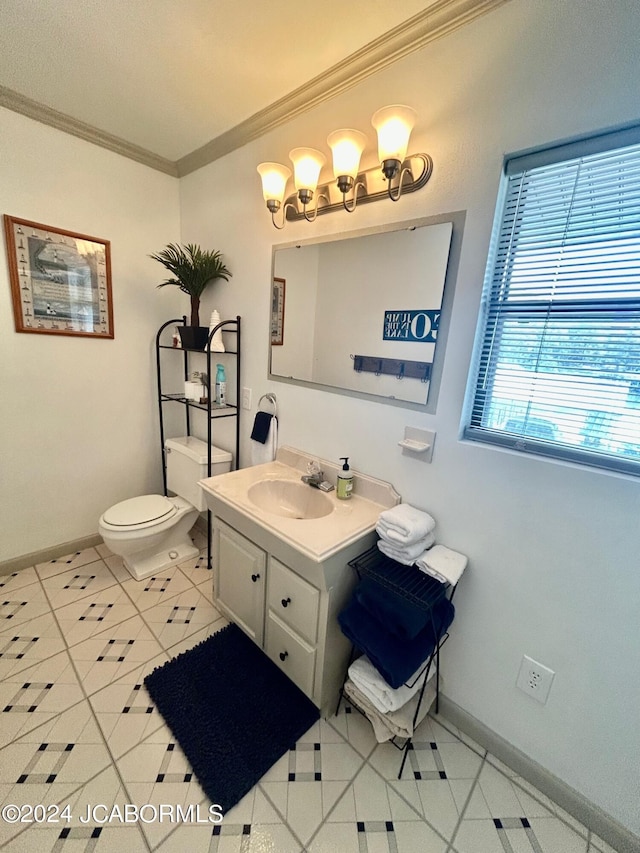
78,430
553,548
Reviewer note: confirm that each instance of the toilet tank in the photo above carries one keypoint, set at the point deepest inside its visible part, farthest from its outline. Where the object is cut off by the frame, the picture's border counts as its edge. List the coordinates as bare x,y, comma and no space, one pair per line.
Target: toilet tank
187,463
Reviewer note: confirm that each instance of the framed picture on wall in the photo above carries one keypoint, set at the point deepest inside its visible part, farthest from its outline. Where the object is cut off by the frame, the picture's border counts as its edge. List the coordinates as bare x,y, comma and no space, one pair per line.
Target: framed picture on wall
60,280
277,312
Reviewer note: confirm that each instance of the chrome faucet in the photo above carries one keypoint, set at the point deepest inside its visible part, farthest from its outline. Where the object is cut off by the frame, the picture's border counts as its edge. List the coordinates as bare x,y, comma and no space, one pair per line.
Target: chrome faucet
315,477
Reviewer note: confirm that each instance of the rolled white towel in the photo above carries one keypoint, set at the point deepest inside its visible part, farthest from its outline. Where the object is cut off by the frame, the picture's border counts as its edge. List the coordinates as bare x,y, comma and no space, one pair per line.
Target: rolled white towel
443,564
369,681
408,554
404,524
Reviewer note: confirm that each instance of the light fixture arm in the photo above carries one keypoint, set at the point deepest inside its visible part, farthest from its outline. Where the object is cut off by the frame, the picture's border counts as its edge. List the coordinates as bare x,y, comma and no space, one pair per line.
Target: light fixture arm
345,184
370,185
402,170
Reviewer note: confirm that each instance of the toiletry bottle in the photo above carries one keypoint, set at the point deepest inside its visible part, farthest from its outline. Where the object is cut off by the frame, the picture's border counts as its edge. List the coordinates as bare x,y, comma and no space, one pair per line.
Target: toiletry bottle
345,481
221,386
175,340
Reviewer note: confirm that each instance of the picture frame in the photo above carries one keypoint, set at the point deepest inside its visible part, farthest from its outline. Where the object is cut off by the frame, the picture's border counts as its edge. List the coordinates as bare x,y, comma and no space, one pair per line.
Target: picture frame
60,280
277,312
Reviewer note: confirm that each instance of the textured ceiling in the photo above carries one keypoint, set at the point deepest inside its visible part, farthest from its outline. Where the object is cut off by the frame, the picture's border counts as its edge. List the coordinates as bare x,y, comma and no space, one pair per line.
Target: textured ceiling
169,76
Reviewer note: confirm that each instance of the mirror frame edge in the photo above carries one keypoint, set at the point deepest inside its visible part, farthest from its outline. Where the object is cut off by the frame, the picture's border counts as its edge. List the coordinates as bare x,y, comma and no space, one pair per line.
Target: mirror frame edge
457,219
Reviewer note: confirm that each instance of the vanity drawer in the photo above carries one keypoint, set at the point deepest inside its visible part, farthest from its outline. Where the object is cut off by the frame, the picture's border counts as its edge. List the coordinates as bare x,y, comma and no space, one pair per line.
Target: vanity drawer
294,600
290,652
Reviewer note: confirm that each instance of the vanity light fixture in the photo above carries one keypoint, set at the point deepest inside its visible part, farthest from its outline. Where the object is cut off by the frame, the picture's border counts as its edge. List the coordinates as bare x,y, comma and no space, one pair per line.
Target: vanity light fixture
399,173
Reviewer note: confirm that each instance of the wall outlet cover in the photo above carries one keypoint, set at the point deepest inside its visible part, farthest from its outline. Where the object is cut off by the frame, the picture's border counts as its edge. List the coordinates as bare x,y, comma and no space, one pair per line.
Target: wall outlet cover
535,679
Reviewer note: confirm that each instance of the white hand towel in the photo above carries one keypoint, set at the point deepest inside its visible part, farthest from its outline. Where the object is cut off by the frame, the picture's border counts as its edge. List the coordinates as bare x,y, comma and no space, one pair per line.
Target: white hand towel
265,452
396,723
369,681
443,564
405,524
409,554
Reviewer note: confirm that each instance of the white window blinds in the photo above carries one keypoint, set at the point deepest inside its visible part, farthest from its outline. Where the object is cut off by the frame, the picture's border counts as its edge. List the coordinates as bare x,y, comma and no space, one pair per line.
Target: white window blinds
557,367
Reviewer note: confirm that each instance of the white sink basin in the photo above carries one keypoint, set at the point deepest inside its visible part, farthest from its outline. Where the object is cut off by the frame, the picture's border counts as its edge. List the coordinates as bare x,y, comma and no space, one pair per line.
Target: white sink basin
289,499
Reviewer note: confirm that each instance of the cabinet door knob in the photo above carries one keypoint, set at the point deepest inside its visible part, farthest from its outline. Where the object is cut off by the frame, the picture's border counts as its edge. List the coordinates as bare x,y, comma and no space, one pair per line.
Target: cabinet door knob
255,578
286,602
284,655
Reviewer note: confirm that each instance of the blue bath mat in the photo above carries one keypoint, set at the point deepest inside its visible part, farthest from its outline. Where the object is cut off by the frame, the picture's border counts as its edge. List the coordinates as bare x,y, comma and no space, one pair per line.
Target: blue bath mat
233,712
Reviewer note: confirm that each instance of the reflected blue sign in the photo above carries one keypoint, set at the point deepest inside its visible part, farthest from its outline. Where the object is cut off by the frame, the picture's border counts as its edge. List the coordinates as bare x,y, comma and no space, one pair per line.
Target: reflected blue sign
420,326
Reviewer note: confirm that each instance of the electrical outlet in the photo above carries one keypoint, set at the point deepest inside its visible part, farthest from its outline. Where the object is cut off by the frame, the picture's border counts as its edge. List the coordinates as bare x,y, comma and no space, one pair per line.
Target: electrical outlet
535,679
246,398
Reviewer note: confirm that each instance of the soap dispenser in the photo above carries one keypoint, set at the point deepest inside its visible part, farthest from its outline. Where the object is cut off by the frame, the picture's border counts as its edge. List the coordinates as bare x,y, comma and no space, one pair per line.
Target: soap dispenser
345,481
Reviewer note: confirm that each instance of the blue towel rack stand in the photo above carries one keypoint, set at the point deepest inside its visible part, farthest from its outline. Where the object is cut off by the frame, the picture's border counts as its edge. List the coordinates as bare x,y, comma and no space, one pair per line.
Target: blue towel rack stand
421,590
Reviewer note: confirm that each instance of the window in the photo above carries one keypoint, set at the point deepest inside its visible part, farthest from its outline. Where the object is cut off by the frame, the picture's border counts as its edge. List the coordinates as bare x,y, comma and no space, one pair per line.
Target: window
557,362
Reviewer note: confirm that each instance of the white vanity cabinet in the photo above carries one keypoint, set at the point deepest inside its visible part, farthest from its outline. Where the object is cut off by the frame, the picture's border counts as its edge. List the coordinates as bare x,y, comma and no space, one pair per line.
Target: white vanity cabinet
291,617
239,589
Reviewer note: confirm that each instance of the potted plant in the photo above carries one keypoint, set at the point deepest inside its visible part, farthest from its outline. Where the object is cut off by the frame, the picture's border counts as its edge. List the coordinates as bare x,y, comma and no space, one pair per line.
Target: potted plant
193,269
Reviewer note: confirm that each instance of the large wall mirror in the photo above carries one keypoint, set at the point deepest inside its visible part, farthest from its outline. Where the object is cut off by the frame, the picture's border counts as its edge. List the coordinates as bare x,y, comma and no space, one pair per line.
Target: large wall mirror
366,313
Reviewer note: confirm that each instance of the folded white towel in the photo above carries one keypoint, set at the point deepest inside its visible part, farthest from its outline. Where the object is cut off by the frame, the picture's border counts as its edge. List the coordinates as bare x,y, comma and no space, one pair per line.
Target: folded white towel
443,564
369,681
404,524
407,554
396,723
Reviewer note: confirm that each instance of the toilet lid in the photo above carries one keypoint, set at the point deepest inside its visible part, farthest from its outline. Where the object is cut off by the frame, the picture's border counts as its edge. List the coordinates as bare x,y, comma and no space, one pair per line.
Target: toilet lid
141,510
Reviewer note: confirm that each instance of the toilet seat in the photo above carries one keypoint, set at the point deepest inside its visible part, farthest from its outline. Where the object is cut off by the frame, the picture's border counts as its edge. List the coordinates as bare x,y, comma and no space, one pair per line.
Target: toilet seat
139,513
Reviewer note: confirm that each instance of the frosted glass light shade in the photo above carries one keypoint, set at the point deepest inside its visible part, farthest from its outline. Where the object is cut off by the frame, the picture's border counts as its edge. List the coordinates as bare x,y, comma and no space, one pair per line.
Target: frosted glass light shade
393,125
274,181
307,163
346,146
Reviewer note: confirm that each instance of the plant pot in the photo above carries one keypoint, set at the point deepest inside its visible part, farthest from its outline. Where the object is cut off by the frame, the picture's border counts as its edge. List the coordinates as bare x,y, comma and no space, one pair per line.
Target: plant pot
193,337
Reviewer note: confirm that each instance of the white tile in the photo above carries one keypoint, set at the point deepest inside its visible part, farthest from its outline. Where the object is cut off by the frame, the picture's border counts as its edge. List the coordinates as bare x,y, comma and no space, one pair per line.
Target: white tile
413,836
69,561
336,838
152,591
124,710
501,795
553,835
478,836
196,570
157,772
28,643
174,620
52,761
101,839
113,653
199,637
78,583
94,614
117,567
35,695
22,605
355,728
16,580
439,806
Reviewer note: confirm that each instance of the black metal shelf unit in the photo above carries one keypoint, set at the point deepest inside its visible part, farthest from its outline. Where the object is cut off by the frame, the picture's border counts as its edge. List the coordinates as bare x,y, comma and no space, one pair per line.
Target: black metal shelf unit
213,410
423,591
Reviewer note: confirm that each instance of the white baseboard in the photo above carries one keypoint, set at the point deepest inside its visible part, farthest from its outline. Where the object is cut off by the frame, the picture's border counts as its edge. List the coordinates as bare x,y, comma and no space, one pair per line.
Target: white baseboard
582,809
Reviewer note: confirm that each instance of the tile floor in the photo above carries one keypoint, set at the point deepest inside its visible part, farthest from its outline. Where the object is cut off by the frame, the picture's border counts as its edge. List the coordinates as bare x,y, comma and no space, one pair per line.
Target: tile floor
78,636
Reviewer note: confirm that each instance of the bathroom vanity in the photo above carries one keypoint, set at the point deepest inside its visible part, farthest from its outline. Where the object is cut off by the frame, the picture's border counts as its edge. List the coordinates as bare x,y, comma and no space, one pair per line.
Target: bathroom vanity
280,555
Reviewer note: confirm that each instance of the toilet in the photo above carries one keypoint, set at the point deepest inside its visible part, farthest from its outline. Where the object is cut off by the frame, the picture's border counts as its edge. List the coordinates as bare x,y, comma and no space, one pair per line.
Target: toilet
151,532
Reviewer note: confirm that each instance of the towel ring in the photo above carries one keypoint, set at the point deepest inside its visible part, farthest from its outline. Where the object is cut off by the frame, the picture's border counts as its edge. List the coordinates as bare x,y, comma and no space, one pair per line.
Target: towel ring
270,398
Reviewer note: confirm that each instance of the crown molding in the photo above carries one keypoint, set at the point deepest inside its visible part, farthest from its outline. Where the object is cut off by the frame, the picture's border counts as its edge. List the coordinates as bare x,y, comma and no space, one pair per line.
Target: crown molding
436,21
61,121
